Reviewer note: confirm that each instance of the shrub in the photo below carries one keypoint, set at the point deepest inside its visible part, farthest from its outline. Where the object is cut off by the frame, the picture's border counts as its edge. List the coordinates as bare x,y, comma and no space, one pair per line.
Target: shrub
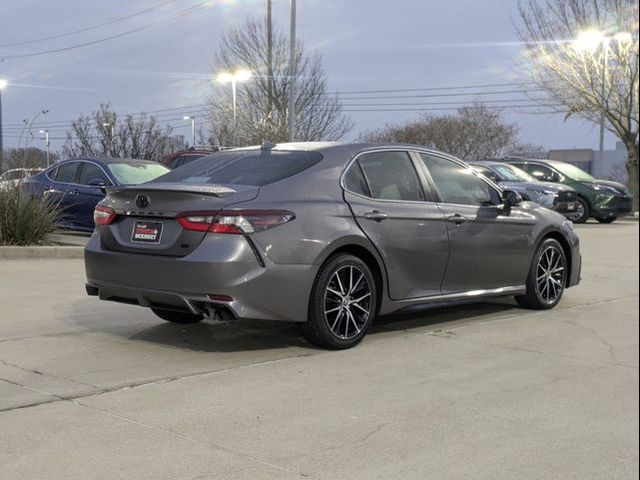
25,221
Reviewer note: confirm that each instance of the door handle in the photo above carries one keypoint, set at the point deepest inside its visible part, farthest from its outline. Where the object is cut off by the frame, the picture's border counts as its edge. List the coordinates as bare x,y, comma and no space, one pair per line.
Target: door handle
376,216
457,219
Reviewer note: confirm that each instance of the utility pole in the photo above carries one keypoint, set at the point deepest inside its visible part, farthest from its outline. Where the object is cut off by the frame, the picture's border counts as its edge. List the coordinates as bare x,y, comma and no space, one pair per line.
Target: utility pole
46,143
292,73
605,60
269,60
3,83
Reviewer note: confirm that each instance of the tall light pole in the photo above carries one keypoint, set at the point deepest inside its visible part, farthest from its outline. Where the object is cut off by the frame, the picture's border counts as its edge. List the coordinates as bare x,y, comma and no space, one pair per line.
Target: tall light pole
46,143
112,129
233,78
590,40
3,83
292,73
193,129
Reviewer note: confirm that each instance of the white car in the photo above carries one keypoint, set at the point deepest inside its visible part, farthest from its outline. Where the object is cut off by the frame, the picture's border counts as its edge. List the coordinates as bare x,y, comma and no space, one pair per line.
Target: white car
15,176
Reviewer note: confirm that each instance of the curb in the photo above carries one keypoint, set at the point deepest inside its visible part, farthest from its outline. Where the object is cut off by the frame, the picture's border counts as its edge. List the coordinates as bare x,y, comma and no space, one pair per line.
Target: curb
14,252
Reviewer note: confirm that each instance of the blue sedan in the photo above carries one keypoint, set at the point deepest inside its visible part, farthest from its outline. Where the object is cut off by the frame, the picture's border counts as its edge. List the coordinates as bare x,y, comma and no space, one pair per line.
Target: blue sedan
78,185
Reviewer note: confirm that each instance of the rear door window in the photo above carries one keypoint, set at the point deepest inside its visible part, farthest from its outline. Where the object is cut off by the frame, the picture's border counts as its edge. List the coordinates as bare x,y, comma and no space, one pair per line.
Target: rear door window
67,172
355,182
391,176
92,174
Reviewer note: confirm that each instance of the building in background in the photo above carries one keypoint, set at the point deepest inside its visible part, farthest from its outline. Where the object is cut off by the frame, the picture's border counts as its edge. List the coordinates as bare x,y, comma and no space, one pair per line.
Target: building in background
612,167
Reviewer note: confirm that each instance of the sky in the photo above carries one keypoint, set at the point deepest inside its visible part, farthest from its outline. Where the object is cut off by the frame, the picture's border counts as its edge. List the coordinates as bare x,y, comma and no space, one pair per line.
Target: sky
162,59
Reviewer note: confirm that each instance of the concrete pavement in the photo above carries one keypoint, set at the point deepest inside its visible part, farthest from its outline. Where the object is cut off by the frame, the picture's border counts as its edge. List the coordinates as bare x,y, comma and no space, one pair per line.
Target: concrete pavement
91,389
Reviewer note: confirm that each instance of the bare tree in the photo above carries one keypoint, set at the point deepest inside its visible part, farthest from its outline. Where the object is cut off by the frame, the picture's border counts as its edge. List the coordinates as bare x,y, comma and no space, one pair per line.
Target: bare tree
262,112
575,77
473,133
101,135
27,157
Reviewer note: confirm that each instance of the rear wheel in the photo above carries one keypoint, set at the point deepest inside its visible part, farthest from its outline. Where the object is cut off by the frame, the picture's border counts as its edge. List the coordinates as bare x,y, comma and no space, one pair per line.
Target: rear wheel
610,219
177,317
582,212
343,303
547,277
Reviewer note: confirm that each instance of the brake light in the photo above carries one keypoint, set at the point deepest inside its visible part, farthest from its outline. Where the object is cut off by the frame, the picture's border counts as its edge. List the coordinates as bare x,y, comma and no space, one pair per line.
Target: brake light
103,215
234,221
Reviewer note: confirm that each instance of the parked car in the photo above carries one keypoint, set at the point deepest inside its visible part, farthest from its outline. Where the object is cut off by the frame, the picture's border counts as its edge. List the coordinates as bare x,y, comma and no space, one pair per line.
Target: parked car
183,157
555,196
78,185
327,234
15,176
603,200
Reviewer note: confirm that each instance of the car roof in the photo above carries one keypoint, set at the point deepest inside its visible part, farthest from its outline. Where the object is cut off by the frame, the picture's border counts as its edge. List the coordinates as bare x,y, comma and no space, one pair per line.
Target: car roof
350,147
106,161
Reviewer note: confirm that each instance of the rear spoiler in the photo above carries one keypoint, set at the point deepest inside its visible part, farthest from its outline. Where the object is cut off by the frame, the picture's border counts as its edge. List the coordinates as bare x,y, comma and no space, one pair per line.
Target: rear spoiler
200,188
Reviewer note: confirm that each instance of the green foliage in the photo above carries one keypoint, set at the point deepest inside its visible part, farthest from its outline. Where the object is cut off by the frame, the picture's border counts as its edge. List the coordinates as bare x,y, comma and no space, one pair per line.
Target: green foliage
25,221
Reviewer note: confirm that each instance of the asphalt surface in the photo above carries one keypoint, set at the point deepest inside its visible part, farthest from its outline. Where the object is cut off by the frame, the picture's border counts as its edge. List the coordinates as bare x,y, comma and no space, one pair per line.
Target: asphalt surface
92,389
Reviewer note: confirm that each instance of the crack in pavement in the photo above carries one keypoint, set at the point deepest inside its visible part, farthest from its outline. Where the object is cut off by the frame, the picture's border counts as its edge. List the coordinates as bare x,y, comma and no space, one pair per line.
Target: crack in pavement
143,383
191,438
609,346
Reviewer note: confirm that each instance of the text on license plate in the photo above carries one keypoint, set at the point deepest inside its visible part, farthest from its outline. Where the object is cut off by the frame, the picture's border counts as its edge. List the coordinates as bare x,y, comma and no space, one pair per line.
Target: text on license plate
147,232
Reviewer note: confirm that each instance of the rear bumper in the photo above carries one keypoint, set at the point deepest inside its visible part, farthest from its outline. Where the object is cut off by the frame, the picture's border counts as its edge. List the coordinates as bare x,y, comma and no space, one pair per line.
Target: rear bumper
221,265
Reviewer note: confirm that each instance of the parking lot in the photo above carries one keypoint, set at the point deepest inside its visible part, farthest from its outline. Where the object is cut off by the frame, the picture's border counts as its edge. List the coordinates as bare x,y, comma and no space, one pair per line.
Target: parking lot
93,389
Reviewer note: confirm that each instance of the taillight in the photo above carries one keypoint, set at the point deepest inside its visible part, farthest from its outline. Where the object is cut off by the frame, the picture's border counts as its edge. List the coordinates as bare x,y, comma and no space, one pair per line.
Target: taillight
234,221
103,215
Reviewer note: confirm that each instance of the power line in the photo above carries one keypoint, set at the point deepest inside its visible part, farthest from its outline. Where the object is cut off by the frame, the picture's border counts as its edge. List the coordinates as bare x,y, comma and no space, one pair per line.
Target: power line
93,27
171,18
461,87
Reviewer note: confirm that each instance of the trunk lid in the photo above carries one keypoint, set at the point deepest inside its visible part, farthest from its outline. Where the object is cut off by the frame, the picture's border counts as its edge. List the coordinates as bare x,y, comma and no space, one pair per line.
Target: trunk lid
146,214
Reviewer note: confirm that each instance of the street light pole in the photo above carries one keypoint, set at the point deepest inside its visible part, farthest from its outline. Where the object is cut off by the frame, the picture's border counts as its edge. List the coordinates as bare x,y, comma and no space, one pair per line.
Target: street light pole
3,83
233,78
46,143
292,73
605,61
193,129
234,94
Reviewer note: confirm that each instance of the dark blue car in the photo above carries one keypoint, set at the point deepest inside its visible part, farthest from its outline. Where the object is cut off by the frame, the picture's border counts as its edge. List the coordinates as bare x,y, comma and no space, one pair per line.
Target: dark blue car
77,185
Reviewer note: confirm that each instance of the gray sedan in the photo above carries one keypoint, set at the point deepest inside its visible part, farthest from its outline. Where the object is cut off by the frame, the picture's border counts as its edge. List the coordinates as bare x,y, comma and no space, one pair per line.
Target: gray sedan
326,234
555,196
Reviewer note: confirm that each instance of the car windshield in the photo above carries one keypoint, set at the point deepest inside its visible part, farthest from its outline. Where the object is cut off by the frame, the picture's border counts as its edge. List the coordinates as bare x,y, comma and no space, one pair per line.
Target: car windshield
573,172
253,167
510,173
133,173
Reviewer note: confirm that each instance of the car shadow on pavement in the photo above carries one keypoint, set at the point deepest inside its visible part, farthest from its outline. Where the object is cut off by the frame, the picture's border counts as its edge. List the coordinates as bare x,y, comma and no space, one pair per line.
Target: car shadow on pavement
248,335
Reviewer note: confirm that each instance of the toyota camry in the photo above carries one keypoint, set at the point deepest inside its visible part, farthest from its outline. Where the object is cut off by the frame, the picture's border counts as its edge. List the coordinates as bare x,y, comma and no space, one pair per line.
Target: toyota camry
330,235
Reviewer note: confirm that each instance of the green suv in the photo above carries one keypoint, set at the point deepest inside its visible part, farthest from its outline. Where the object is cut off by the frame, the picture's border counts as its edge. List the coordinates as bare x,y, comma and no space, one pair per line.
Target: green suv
603,200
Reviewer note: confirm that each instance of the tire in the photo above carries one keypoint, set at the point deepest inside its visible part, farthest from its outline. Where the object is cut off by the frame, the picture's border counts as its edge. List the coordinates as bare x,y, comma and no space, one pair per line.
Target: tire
547,277
582,212
182,318
343,303
610,219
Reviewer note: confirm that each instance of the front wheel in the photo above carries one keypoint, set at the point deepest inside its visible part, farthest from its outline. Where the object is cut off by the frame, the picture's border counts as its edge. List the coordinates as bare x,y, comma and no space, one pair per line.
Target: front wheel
547,277
610,219
172,316
582,213
342,305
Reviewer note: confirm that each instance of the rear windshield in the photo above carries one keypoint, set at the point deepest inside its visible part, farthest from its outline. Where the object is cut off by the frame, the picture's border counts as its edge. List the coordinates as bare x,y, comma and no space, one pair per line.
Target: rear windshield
133,173
254,167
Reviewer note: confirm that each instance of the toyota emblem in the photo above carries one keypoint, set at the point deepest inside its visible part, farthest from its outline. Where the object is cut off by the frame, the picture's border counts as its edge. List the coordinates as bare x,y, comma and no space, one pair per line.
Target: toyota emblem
142,201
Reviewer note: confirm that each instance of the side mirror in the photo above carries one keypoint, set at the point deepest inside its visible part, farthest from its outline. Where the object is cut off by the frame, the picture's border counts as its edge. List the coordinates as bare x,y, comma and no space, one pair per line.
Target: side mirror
511,199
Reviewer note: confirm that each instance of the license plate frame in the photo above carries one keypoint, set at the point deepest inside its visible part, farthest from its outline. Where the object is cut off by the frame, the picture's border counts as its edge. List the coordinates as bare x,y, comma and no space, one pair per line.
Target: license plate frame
149,233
